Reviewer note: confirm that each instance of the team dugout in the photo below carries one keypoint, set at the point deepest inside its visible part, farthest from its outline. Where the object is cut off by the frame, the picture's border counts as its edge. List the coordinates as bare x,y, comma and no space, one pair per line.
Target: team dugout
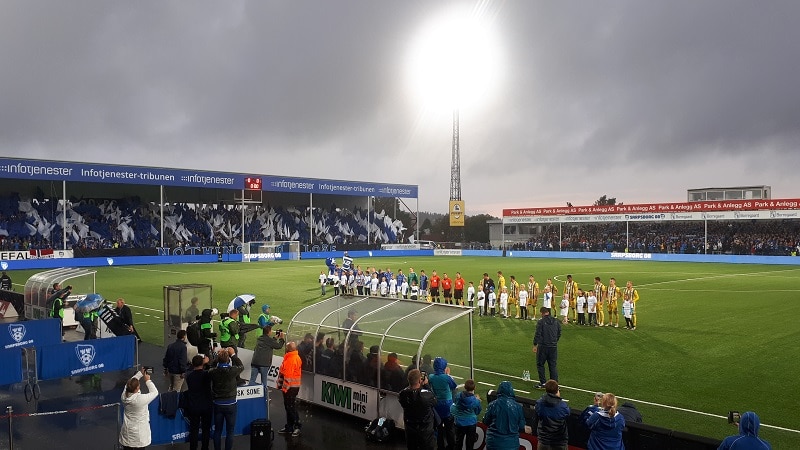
379,328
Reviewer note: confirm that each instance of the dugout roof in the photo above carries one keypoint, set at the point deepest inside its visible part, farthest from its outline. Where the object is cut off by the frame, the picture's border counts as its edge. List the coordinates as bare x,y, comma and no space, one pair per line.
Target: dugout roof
396,325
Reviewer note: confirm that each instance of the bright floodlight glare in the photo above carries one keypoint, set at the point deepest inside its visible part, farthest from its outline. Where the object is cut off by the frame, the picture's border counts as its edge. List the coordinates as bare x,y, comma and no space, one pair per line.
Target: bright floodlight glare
455,61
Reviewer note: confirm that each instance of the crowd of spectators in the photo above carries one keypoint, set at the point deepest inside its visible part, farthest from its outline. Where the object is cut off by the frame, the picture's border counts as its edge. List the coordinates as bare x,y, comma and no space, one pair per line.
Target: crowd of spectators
757,237
327,357
27,224
39,223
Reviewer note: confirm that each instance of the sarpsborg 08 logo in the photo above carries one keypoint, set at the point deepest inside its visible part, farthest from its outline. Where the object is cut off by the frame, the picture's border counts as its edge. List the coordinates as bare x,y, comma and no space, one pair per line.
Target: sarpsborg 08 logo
17,332
85,353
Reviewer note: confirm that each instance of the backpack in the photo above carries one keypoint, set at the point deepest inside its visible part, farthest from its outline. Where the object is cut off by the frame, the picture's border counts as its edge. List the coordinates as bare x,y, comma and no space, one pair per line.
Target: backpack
168,404
194,334
379,430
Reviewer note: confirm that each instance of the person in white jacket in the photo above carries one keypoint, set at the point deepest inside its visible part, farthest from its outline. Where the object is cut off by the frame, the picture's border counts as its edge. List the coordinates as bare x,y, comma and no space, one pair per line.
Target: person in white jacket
135,431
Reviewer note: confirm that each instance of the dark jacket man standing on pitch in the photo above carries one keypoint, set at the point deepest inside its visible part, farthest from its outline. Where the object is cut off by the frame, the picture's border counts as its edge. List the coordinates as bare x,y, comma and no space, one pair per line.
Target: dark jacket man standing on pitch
545,345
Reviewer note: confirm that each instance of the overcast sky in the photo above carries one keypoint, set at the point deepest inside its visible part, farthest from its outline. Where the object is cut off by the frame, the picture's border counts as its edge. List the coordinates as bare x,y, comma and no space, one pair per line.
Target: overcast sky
638,100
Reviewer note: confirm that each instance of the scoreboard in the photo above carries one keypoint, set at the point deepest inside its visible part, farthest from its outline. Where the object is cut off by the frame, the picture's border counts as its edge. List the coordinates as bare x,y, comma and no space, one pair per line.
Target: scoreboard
252,183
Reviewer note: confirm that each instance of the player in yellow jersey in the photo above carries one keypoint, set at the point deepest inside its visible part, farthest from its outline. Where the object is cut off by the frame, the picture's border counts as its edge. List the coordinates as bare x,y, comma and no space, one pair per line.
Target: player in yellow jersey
501,281
571,290
600,293
633,295
533,295
513,295
613,296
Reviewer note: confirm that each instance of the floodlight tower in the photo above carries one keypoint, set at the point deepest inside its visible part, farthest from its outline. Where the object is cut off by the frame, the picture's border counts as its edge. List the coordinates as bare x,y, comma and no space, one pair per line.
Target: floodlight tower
455,164
456,207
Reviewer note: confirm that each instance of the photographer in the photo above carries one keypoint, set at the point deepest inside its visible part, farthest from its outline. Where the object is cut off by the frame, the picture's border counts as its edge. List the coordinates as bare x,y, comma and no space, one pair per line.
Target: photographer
418,401
135,432
262,355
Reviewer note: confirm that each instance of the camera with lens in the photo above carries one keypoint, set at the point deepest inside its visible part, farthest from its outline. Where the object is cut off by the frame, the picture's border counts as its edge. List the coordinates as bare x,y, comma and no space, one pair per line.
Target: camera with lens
148,370
279,332
734,417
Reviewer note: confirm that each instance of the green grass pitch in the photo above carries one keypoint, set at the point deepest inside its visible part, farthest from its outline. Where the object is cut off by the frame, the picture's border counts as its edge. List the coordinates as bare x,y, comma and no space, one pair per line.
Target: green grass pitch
710,337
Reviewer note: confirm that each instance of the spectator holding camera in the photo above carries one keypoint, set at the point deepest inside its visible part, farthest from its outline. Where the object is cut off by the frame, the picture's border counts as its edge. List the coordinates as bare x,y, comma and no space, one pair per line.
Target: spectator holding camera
747,439
266,344
135,431
418,401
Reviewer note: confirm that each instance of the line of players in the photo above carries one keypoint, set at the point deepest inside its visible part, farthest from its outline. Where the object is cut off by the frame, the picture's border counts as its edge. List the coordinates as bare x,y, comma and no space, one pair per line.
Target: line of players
576,304
582,307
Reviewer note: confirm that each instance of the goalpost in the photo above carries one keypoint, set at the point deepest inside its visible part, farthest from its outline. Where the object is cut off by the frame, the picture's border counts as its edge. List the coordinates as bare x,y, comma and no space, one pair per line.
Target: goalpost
270,251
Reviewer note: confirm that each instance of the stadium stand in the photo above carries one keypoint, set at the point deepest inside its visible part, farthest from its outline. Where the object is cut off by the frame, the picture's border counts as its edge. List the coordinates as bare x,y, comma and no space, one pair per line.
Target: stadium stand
766,238
132,223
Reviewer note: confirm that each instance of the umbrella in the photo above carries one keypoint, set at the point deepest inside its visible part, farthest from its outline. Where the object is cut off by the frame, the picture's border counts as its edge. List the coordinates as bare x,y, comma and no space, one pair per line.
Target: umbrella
90,303
241,299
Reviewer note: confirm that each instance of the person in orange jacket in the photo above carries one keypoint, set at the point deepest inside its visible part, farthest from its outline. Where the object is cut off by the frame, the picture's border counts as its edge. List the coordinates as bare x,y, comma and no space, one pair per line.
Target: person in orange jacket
289,376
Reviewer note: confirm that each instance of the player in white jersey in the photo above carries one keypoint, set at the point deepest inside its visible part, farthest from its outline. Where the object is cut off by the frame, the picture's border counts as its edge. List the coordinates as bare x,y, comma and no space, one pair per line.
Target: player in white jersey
580,305
351,283
591,308
564,308
481,298
393,287
323,281
504,302
491,300
523,302
471,294
547,299
343,283
373,285
414,290
384,287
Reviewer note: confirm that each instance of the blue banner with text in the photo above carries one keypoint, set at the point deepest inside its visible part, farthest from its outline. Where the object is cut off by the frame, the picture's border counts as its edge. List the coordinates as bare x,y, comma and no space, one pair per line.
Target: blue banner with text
33,169
85,357
30,333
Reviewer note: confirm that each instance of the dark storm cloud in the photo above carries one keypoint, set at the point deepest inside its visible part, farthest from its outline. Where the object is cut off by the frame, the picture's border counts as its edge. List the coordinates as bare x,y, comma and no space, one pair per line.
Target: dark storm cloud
661,91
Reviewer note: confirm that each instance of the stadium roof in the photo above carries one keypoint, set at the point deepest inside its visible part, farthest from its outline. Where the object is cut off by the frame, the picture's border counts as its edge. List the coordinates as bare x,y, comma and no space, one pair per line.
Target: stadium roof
34,169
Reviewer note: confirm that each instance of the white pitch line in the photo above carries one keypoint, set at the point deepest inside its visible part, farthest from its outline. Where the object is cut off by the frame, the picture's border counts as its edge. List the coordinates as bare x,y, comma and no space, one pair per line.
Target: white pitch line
144,307
660,405
729,275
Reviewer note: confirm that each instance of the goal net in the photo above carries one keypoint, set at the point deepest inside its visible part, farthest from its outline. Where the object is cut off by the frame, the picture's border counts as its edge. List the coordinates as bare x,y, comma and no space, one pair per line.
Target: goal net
270,251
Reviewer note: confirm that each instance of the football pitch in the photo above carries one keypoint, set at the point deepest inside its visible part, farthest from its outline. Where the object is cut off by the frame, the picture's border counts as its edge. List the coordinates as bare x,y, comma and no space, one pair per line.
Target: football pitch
710,337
